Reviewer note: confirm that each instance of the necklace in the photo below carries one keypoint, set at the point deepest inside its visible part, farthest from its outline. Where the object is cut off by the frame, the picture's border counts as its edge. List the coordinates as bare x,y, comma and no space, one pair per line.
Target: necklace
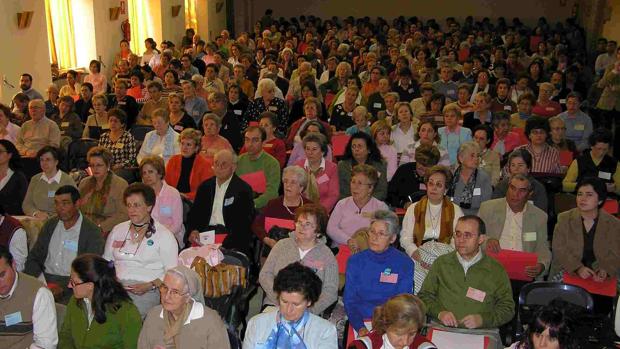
434,219
288,209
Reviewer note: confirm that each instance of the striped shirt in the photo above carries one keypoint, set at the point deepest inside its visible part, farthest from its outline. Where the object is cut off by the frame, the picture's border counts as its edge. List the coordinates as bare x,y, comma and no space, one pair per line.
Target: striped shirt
547,161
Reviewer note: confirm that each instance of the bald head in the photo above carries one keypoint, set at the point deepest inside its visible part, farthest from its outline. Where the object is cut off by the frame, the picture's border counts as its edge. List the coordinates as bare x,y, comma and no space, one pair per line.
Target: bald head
224,165
36,108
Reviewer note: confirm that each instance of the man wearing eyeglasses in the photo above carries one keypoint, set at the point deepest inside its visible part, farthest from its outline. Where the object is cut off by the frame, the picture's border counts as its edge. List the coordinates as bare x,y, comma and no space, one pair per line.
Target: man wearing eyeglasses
467,291
27,310
62,238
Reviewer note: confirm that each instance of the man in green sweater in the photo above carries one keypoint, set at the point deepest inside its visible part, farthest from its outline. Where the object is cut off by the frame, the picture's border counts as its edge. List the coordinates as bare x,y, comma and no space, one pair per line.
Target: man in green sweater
466,288
256,163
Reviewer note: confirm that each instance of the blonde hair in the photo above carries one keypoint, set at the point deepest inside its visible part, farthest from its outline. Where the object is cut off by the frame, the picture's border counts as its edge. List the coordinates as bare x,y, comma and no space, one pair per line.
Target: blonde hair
404,311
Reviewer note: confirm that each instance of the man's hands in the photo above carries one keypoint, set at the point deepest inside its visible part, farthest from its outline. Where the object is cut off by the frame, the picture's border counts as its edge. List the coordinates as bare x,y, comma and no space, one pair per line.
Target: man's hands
534,270
471,321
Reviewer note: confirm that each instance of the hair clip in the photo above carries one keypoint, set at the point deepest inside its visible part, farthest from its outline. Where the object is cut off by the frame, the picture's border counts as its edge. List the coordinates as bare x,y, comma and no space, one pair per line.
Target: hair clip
111,264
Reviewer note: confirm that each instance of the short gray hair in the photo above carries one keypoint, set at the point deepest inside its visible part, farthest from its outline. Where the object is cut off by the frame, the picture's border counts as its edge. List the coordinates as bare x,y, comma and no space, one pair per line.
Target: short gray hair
468,147
297,171
389,218
265,84
522,177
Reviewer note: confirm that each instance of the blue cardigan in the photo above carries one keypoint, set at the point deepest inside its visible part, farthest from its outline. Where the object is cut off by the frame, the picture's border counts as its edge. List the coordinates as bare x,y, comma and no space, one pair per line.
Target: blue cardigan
363,289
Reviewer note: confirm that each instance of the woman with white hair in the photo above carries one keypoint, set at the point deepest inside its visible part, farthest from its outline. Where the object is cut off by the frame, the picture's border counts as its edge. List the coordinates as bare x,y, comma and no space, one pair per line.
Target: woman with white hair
182,320
470,186
267,102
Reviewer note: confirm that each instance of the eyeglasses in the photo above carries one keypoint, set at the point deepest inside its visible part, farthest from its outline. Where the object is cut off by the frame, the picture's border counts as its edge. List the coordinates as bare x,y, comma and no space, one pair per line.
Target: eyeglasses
72,283
136,205
174,293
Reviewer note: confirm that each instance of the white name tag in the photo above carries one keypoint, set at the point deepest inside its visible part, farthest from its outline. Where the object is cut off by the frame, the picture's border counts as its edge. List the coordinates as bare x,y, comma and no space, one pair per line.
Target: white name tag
529,236
376,105
477,192
580,127
207,237
507,107
237,112
229,201
562,101
450,92
604,175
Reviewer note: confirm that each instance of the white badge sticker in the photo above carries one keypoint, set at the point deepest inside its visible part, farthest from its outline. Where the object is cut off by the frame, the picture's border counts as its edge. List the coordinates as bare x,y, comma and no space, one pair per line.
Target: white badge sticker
529,236
580,127
237,112
229,201
207,237
376,105
562,101
507,107
477,192
604,175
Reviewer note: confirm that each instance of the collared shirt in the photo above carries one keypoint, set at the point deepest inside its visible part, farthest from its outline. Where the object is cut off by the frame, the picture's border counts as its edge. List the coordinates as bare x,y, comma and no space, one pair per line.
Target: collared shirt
321,166
578,128
402,139
547,161
56,177
452,140
387,344
217,213
63,248
511,237
467,264
5,179
45,332
196,312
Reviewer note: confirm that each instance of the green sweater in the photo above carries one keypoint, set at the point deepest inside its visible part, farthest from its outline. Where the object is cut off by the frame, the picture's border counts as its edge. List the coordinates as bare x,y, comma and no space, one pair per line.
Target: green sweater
121,329
271,168
446,285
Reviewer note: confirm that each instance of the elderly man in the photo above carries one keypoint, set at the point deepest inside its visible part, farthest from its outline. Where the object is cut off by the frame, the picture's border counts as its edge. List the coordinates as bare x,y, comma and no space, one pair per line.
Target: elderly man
514,223
195,105
37,132
63,238
305,73
466,288
445,85
26,308
257,161
231,128
224,204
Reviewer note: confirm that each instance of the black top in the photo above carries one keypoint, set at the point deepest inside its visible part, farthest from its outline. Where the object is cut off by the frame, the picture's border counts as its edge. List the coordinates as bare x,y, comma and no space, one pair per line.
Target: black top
471,122
405,186
297,112
186,171
341,119
185,122
13,193
588,245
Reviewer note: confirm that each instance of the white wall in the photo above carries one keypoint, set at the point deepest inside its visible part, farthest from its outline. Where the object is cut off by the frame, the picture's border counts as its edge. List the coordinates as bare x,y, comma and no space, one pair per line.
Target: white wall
25,50
84,31
107,33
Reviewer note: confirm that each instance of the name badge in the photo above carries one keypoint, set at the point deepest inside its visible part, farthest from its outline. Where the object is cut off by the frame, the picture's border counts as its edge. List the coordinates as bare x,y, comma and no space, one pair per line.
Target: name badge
229,201
507,107
387,277
64,124
118,145
580,127
563,101
71,245
165,210
237,112
273,108
549,109
376,105
13,319
350,113
604,175
322,179
178,128
314,265
410,90
529,236
51,193
477,192
422,186
475,294
117,243
268,145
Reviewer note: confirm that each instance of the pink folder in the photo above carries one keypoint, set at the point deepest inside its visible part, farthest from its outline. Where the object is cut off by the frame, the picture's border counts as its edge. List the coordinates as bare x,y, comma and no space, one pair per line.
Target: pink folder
605,288
256,180
284,223
566,157
515,262
339,143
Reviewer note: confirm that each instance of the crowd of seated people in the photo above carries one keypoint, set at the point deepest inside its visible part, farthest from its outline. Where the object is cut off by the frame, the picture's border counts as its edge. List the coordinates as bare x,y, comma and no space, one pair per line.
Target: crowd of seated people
396,159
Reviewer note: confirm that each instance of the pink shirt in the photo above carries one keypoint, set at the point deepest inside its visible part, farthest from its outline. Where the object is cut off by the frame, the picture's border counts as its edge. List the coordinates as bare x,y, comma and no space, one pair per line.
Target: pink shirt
327,179
99,82
168,210
211,145
391,157
347,218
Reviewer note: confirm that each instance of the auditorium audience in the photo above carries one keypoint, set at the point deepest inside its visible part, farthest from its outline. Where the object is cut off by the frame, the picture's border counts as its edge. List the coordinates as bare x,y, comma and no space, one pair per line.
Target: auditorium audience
13,182
37,132
97,122
362,149
470,186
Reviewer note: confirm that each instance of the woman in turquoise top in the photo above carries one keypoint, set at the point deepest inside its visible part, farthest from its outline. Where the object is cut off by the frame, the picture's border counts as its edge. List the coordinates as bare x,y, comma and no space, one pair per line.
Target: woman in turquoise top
100,313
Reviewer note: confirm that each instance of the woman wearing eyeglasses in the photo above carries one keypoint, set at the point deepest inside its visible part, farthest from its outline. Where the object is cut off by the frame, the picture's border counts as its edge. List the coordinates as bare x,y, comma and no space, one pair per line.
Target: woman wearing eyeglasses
141,248
100,313
182,321
307,246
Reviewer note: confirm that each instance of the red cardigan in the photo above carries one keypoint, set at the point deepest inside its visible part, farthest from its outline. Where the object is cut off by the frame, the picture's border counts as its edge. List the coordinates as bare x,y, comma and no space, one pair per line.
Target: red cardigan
201,171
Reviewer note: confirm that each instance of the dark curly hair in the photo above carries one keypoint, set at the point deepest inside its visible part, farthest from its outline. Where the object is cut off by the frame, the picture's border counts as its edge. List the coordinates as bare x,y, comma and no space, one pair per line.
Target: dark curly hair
536,123
296,277
373,152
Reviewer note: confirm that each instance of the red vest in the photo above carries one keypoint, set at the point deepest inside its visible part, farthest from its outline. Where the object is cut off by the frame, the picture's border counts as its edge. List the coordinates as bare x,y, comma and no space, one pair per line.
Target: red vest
7,229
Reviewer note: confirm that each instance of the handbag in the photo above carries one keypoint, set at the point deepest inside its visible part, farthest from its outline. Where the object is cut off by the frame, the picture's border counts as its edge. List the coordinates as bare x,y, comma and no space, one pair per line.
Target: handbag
220,280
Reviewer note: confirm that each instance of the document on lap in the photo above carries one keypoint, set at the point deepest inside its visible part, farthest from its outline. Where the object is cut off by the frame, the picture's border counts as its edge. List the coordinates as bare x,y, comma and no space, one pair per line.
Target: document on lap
515,262
256,180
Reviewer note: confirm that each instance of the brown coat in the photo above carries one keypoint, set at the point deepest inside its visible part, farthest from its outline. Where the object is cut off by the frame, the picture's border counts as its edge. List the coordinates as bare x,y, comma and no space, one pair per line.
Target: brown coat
568,243
610,97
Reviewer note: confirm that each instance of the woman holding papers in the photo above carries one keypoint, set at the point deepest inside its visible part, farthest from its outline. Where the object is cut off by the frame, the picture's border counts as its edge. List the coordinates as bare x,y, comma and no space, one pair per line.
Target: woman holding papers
307,246
585,239
141,248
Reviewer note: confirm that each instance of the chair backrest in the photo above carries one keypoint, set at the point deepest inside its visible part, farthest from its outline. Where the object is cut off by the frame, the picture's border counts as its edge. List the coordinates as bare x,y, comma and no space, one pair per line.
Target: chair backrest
543,292
77,151
139,131
564,202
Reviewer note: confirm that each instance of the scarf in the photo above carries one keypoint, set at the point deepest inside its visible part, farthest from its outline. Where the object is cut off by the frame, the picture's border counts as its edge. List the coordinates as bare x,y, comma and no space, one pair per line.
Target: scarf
445,226
287,334
468,190
172,326
312,188
94,206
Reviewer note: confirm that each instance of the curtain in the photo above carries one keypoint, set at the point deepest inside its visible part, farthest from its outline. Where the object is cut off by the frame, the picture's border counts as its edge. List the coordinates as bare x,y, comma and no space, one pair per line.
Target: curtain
141,24
60,33
191,20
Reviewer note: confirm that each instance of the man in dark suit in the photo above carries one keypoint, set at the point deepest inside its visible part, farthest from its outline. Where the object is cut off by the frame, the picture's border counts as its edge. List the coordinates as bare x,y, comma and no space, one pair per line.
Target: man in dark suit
84,105
121,100
223,203
63,238
231,128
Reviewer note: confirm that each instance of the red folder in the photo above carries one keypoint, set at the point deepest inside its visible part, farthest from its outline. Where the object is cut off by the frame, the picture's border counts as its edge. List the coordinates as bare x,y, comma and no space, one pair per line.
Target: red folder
605,288
429,335
566,157
611,206
400,211
256,180
344,252
284,223
339,143
515,262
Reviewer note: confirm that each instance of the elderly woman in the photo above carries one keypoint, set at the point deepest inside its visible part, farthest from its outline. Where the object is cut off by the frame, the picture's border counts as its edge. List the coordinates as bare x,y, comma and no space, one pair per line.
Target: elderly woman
408,185
429,224
376,274
298,110
154,102
396,324
361,149
163,141
307,246
380,131
97,123
546,158
102,192
354,212
312,112
404,132
297,289
323,184
14,185
100,313
595,162
585,239
504,140
8,130
179,119
545,107
427,134
470,186
120,143
141,248
298,152
186,171
453,135
294,181
168,209
182,321
520,162
482,111
39,200
267,102
557,136
342,114
212,142
489,158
